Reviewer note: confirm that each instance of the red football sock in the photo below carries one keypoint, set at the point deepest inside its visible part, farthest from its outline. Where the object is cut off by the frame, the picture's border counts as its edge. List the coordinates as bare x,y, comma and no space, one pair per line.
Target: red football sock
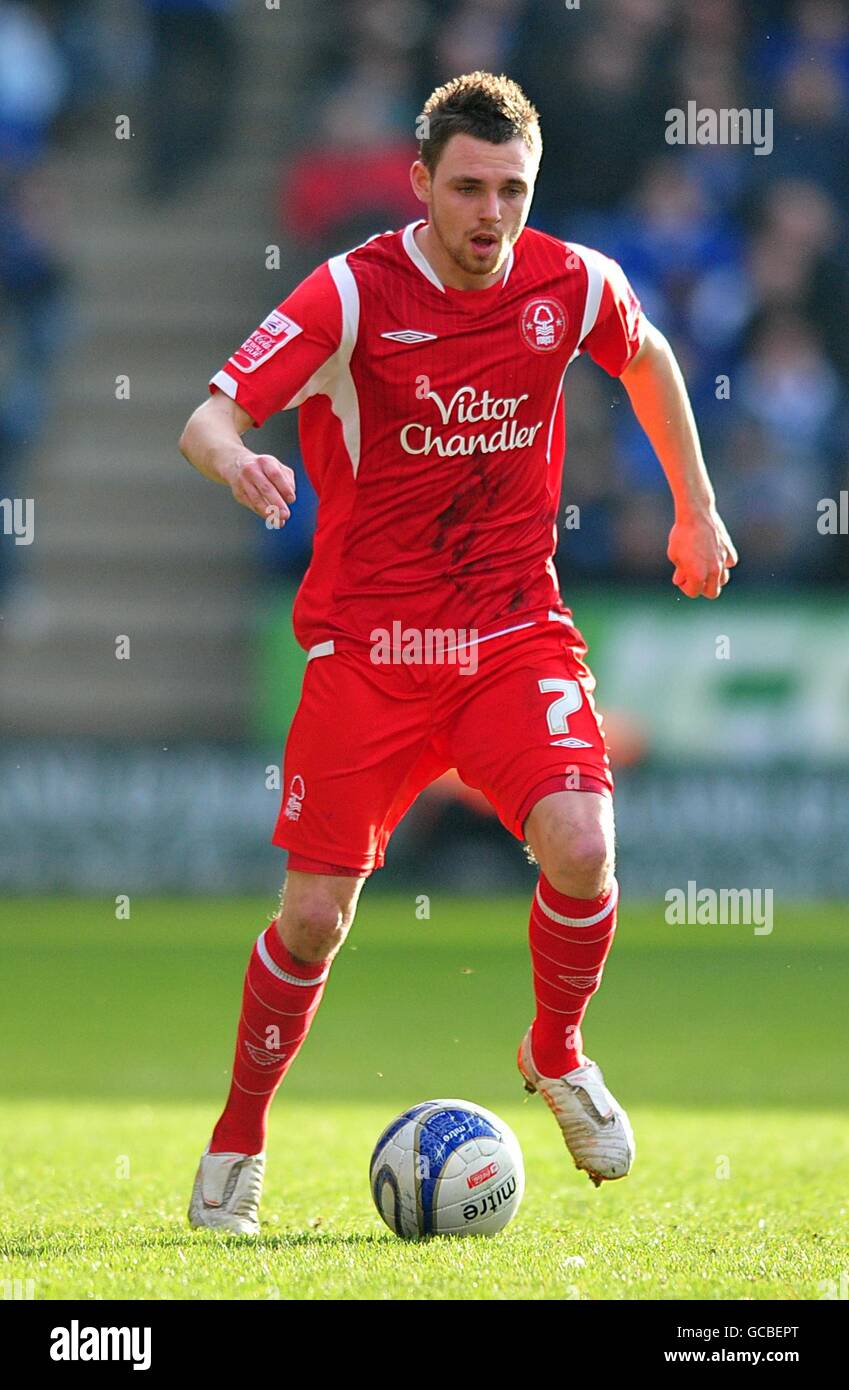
570,939
280,998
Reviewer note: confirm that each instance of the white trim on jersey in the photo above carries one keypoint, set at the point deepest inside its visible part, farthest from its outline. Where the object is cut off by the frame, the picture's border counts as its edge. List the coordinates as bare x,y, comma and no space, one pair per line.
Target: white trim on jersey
411,246
225,383
594,264
502,632
333,378
509,267
343,398
329,647
419,260
553,418
322,649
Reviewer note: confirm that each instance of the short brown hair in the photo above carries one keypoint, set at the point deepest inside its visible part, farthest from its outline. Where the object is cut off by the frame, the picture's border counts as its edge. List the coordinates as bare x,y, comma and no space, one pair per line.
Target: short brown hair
480,104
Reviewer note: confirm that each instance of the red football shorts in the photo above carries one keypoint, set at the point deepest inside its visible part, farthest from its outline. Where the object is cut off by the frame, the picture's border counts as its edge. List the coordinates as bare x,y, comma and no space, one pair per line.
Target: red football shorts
367,738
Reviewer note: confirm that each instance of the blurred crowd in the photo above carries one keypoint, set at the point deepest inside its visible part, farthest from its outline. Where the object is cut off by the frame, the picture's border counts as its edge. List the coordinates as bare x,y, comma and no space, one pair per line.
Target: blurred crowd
39,74
60,63
742,259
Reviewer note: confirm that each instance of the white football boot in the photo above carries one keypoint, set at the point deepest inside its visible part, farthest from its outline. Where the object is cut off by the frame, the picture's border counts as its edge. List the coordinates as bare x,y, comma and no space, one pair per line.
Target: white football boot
226,1193
596,1129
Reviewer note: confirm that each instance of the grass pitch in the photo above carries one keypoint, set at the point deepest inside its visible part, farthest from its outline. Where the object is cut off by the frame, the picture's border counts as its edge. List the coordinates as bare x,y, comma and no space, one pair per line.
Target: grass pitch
727,1048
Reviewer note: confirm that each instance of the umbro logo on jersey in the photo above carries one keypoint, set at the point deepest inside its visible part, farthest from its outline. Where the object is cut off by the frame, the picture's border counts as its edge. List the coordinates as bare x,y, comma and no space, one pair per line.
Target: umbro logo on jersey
410,336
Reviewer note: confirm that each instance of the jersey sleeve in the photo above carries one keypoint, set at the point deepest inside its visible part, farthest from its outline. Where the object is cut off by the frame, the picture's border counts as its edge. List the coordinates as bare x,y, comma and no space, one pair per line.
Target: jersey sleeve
616,334
278,366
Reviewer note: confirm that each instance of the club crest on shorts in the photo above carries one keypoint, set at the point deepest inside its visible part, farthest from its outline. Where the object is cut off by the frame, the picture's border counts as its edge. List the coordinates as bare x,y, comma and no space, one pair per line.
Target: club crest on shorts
297,792
543,323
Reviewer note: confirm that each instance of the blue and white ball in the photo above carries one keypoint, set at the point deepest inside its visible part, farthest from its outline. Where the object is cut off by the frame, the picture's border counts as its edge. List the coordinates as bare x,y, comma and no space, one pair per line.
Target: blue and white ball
447,1167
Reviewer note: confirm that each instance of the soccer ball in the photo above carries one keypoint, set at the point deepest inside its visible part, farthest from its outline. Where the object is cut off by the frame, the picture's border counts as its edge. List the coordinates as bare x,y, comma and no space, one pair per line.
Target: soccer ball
447,1167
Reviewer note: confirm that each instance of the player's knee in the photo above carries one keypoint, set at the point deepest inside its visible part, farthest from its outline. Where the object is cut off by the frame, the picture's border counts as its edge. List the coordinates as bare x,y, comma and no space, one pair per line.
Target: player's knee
580,864
315,928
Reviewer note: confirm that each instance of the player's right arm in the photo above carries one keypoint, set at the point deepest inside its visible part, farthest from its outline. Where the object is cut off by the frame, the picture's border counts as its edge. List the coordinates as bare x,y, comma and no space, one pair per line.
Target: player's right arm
212,443
290,356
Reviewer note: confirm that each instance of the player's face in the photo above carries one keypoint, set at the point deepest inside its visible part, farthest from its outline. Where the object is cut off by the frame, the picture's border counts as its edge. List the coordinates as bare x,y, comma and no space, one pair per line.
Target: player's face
478,200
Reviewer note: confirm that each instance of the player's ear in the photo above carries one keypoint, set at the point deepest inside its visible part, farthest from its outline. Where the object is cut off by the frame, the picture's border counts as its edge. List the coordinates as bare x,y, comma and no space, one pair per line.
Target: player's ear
420,180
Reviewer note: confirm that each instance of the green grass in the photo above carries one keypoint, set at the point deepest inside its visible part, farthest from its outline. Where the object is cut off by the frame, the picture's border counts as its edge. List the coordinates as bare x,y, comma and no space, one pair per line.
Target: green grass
727,1048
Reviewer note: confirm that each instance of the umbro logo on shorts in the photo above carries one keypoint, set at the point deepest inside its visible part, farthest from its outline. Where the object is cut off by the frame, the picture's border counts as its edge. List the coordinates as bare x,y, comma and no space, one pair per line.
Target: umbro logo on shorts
410,336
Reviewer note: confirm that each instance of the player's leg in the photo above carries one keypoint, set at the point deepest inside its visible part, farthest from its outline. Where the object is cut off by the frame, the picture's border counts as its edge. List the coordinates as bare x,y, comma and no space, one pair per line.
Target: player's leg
285,980
571,834
355,757
289,969
283,987
527,734
573,918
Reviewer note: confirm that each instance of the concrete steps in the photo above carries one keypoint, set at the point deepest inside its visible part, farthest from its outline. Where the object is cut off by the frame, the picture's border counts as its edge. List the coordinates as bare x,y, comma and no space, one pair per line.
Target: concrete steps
128,538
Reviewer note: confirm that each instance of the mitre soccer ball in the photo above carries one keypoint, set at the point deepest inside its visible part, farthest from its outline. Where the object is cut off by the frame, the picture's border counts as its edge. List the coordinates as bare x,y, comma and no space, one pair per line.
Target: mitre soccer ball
447,1167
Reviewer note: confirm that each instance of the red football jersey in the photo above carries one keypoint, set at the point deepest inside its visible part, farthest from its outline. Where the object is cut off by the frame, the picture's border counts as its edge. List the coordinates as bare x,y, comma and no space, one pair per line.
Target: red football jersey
432,427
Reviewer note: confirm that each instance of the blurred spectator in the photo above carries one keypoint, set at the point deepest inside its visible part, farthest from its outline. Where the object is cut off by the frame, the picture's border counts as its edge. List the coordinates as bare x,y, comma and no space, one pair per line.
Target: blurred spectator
192,62
783,447
798,261
480,35
288,550
812,31
789,388
33,83
353,178
33,285
810,123
599,82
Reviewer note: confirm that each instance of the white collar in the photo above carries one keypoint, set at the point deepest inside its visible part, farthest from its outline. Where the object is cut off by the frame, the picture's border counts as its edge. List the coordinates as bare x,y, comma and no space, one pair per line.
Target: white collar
421,262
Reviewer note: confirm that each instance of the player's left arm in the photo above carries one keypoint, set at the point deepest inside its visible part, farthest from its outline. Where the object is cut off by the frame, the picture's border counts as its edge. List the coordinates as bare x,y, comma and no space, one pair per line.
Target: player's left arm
700,547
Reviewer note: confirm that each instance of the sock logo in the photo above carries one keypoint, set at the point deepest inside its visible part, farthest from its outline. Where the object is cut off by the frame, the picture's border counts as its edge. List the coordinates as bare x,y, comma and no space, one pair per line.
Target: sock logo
262,1056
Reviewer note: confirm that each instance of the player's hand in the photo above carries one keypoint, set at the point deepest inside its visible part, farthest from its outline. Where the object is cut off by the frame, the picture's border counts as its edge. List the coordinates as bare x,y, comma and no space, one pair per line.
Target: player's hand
264,485
702,552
